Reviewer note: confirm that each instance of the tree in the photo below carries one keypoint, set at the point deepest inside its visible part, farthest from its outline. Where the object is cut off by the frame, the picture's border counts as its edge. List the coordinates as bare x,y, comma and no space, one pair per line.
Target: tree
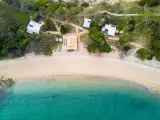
43,43
41,3
154,38
97,42
53,7
63,29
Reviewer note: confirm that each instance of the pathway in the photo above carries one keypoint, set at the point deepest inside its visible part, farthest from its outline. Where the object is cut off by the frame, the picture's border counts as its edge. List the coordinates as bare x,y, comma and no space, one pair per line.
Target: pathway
136,45
125,15
83,31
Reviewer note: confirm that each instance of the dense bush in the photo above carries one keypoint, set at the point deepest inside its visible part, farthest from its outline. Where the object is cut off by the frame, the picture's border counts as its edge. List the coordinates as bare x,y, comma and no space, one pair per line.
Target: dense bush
26,5
64,10
127,47
41,3
42,44
125,38
48,26
154,39
97,42
149,2
144,54
85,4
63,29
101,19
12,36
16,42
16,3
152,35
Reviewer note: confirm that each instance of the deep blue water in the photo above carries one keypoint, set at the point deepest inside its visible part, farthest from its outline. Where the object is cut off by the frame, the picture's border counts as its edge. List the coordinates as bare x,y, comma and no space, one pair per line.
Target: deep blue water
79,99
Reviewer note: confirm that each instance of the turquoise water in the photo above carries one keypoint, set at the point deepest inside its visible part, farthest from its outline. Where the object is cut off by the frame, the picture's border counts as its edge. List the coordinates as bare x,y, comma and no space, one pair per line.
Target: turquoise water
79,99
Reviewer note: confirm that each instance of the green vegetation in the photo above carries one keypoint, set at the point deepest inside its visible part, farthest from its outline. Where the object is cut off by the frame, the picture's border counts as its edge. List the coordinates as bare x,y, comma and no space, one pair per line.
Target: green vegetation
97,42
42,44
150,30
49,25
63,29
127,47
23,17
154,38
14,40
64,11
26,5
125,8
85,4
143,29
20,16
11,35
144,54
41,3
149,2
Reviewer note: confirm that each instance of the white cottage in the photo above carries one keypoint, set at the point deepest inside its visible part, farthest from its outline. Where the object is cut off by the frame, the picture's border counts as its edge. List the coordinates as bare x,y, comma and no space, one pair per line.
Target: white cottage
109,29
87,23
33,27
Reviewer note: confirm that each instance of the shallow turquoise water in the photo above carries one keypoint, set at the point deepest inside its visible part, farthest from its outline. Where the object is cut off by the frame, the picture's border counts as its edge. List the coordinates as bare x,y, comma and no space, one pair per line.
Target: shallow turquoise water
79,99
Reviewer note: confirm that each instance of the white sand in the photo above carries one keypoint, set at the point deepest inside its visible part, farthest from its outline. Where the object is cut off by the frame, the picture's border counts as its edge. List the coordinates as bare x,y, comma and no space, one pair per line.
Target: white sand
73,64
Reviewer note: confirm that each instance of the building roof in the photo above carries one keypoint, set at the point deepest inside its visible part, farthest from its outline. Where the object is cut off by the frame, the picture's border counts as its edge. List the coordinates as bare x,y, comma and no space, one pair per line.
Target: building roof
70,41
110,28
33,27
87,23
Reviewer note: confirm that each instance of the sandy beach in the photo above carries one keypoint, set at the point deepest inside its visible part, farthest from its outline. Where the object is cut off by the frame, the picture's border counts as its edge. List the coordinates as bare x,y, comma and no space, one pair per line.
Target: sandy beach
78,64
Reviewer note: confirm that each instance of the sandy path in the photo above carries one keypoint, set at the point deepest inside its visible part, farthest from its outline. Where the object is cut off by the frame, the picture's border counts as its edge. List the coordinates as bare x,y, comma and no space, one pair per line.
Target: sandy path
69,64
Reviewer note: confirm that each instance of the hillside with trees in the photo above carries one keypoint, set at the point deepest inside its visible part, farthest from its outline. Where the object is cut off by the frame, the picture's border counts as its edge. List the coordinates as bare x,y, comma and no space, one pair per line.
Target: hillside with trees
16,42
143,29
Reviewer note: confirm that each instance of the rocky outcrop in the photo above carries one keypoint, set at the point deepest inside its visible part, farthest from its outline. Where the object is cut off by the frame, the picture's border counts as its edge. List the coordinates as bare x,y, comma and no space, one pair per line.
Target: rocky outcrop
6,83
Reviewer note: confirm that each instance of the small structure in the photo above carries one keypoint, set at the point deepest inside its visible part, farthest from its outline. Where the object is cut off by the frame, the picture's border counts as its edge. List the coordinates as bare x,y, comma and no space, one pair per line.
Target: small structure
70,41
109,30
33,27
87,23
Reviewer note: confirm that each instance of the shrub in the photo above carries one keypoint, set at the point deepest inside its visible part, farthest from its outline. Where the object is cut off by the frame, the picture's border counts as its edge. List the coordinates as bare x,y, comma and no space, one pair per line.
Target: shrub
85,4
143,54
41,3
63,29
149,2
48,26
43,43
127,47
48,53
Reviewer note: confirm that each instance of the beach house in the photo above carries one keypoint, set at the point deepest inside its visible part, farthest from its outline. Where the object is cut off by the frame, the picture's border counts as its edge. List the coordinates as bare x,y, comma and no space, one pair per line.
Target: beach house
109,30
70,41
33,27
86,23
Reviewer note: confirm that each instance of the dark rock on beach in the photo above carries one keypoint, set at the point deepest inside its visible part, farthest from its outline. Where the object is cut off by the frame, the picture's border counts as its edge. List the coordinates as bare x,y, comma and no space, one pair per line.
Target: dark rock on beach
6,83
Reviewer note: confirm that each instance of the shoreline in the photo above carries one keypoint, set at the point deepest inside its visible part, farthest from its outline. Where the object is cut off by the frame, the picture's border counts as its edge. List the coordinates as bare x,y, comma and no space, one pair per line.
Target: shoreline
80,65
94,78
